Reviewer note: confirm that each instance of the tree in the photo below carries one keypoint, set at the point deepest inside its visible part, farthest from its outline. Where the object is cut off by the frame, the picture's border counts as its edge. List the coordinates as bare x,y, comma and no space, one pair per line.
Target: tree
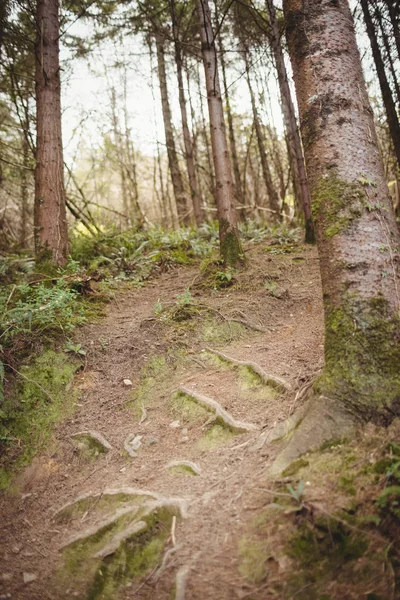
187,140
231,251
390,107
51,234
357,237
292,132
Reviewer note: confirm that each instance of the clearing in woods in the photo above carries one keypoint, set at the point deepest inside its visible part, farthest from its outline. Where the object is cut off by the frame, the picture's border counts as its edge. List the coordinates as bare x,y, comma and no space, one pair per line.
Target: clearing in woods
167,497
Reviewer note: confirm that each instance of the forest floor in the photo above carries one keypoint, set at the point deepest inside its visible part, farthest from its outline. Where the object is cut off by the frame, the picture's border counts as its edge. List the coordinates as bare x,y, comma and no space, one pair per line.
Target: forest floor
201,522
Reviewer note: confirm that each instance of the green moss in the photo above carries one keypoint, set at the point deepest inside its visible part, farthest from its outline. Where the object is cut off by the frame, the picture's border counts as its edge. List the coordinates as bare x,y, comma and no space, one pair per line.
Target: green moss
219,333
362,357
295,467
216,435
336,203
44,396
102,504
136,556
253,555
88,447
182,470
231,251
187,409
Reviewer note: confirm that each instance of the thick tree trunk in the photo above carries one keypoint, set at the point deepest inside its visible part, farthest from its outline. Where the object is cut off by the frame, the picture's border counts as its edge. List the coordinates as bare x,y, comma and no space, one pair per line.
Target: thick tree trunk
302,191
187,139
357,237
273,198
176,175
232,139
391,113
231,251
50,223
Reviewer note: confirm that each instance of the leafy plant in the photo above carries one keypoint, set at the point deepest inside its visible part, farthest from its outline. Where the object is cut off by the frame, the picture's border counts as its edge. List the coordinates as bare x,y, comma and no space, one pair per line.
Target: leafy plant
74,348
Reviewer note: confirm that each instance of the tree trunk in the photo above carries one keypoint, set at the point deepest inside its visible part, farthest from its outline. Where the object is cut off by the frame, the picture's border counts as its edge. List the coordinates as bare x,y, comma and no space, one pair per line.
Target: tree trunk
194,187
231,129
357,237
271,191
50,222
230,248
394,15
25,173
176,175
388,49
392,118
207,146
302,191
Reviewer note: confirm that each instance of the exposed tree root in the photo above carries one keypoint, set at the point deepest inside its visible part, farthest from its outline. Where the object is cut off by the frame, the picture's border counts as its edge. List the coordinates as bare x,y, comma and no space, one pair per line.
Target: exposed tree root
122,536
93,438
248,324
320,421
272,380
82,503
181,581
102,527
220,413
188,464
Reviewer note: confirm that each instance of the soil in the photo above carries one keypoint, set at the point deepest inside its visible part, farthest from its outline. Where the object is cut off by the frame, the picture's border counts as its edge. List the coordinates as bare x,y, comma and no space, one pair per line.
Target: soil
228,494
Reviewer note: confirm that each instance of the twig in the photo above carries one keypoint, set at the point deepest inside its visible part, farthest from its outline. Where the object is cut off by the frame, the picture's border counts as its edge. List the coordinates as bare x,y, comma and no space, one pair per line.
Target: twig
10,296
144,415
173,526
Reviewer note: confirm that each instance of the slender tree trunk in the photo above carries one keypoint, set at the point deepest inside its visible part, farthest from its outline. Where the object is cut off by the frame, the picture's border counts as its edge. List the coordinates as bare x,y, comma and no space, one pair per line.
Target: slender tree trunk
357,237
231,251
388,49
207,144
302,191
392,117
231,129
176,175
273,198
194,187
50,222
25,173
394,15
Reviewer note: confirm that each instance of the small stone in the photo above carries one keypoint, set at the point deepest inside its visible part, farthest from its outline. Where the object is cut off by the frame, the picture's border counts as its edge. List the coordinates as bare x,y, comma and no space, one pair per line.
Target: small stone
184,431
132,443
16,549
175,424
149,440
128,382
184,439
6,576
29,577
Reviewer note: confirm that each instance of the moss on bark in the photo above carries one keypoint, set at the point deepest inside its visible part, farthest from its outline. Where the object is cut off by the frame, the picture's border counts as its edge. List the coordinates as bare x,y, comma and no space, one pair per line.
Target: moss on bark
337,203
230,246
362,354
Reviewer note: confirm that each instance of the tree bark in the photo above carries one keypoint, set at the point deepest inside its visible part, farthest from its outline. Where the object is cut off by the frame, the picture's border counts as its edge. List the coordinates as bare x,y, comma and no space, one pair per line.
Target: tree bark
25,173
232,139
357,237
388,49
302,191
50,223
230,247
394,15
193,183
176,175
271,191
392,118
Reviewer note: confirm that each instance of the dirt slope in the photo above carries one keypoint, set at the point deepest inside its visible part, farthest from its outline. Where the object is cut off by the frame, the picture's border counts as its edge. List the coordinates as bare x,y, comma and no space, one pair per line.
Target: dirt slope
280,295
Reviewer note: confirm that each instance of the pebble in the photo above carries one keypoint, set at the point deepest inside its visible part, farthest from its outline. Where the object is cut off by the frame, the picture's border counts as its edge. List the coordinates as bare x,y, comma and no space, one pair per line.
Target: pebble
29,577
175,424
184,439
6,576
128,382
184,431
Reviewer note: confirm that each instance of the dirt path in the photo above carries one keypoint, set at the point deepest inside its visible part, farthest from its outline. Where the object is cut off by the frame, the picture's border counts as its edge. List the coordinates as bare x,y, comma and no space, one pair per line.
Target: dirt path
280,294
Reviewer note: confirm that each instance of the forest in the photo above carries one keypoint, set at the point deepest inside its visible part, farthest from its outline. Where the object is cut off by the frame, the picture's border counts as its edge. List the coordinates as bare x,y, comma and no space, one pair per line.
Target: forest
200,299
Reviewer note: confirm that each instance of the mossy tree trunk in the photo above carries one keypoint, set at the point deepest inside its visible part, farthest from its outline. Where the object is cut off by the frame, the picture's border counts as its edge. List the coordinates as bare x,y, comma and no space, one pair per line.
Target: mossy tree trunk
50,221
357,237
230,247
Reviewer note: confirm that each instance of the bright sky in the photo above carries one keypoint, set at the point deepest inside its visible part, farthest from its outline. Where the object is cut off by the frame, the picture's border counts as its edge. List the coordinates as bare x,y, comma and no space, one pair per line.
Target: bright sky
85,94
